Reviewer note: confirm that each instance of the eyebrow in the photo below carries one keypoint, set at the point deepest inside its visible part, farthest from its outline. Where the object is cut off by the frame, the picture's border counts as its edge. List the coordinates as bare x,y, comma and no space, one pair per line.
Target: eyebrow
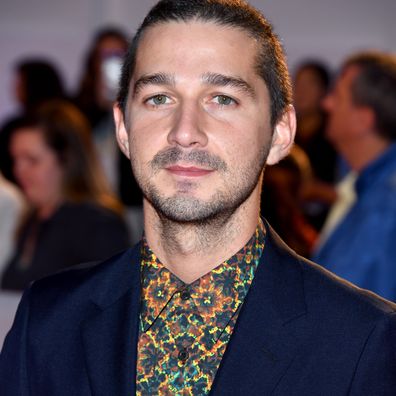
153,79
215,79
228,81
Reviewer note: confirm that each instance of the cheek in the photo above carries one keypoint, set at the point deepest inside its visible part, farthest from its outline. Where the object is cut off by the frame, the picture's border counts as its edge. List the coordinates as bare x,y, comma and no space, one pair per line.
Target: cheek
29,173
56,175
147,123
343,118
18,170
49,175
144,144
148,135
246,150
147,126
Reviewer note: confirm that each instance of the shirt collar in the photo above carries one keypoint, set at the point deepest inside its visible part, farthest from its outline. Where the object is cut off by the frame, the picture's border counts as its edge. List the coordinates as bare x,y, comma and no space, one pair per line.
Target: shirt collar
158,286
218,294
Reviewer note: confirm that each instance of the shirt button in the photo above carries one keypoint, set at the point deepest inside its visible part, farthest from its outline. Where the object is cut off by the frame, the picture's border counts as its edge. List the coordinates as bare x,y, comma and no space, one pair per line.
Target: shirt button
183,355
185,294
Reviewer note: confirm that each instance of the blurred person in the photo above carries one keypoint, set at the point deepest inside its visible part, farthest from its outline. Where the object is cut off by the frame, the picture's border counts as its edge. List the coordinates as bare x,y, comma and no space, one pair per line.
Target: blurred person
73,218
11,209
280,203
211,301
95,97
362,126
311,84
96,94
36,81
98,86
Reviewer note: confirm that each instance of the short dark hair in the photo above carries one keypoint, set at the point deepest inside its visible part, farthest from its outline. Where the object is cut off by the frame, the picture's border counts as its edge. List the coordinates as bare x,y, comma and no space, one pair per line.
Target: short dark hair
41,81
271,63
375,87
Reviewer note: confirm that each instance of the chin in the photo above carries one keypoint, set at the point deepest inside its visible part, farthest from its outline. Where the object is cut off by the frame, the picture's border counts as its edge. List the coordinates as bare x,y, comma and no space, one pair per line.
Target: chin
188,209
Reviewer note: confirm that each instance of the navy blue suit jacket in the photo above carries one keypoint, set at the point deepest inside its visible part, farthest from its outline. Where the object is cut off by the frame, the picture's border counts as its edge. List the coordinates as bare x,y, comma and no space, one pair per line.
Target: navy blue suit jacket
301,331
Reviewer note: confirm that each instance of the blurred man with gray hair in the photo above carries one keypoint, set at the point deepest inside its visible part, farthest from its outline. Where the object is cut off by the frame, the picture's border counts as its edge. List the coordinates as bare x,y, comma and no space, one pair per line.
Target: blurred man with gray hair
362,126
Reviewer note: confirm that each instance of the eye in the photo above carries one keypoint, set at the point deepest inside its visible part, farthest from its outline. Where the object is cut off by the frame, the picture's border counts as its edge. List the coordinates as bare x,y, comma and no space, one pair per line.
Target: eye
224,100
158,100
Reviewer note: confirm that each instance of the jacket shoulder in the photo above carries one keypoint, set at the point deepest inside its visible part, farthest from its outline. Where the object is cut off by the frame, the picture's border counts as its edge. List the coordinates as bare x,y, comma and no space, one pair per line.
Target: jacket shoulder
339,297
328,295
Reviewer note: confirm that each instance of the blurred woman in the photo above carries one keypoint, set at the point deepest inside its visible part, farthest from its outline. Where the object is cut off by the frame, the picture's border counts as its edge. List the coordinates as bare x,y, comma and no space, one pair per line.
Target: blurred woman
311,85
73,216
99,82
95,97
280,202
36,81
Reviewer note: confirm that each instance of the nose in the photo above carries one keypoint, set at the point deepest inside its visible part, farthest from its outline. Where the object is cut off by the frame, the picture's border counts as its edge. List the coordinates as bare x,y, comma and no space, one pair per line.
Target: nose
187,128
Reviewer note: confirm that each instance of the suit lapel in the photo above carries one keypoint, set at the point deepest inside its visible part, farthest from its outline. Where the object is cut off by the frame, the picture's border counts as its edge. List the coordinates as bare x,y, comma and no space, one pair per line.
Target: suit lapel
270,327
110,335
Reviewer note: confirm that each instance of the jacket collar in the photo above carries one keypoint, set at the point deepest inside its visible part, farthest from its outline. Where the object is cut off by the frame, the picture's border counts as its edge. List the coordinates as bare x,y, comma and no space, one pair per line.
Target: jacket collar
110,335
271,326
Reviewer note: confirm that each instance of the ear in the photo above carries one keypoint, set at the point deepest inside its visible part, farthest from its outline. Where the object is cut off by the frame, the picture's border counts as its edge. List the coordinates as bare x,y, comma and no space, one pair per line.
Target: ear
283,137
121,132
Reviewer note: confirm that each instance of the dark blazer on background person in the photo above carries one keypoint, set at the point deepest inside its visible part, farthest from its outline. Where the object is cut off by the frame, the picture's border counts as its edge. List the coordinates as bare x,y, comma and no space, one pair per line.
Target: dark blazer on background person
75,233
301,331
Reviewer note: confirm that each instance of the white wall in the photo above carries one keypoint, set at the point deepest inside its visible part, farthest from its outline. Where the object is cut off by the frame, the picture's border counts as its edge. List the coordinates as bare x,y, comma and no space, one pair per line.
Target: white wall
332,29
61,30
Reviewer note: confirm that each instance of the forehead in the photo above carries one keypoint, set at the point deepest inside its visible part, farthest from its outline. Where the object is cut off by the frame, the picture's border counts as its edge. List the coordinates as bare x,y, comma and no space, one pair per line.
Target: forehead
196,46
27,136
308,74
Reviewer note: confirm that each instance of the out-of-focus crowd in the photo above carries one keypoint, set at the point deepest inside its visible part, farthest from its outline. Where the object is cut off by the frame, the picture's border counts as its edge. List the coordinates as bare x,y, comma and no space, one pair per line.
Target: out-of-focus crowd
68,195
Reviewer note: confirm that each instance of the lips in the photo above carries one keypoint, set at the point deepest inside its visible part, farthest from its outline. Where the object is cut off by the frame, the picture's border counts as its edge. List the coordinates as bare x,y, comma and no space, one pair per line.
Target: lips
189,171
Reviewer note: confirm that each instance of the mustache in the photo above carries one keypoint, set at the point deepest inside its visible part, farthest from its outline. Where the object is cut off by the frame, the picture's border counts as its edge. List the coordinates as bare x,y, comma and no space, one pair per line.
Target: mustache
172,155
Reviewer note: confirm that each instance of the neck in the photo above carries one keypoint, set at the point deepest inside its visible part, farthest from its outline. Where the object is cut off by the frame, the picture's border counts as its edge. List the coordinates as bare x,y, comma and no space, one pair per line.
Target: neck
190,250
363,151
46,211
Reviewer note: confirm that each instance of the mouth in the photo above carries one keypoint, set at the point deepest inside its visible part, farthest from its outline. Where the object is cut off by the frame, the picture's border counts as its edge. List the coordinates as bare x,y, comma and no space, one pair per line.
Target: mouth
188,171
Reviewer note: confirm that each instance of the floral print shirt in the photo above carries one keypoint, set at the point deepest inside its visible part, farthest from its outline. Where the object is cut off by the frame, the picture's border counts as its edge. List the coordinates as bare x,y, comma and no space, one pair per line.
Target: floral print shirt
185,328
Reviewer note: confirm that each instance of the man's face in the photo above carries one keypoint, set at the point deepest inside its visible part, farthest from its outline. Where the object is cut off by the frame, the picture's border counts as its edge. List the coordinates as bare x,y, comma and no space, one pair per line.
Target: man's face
198,120
343,123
